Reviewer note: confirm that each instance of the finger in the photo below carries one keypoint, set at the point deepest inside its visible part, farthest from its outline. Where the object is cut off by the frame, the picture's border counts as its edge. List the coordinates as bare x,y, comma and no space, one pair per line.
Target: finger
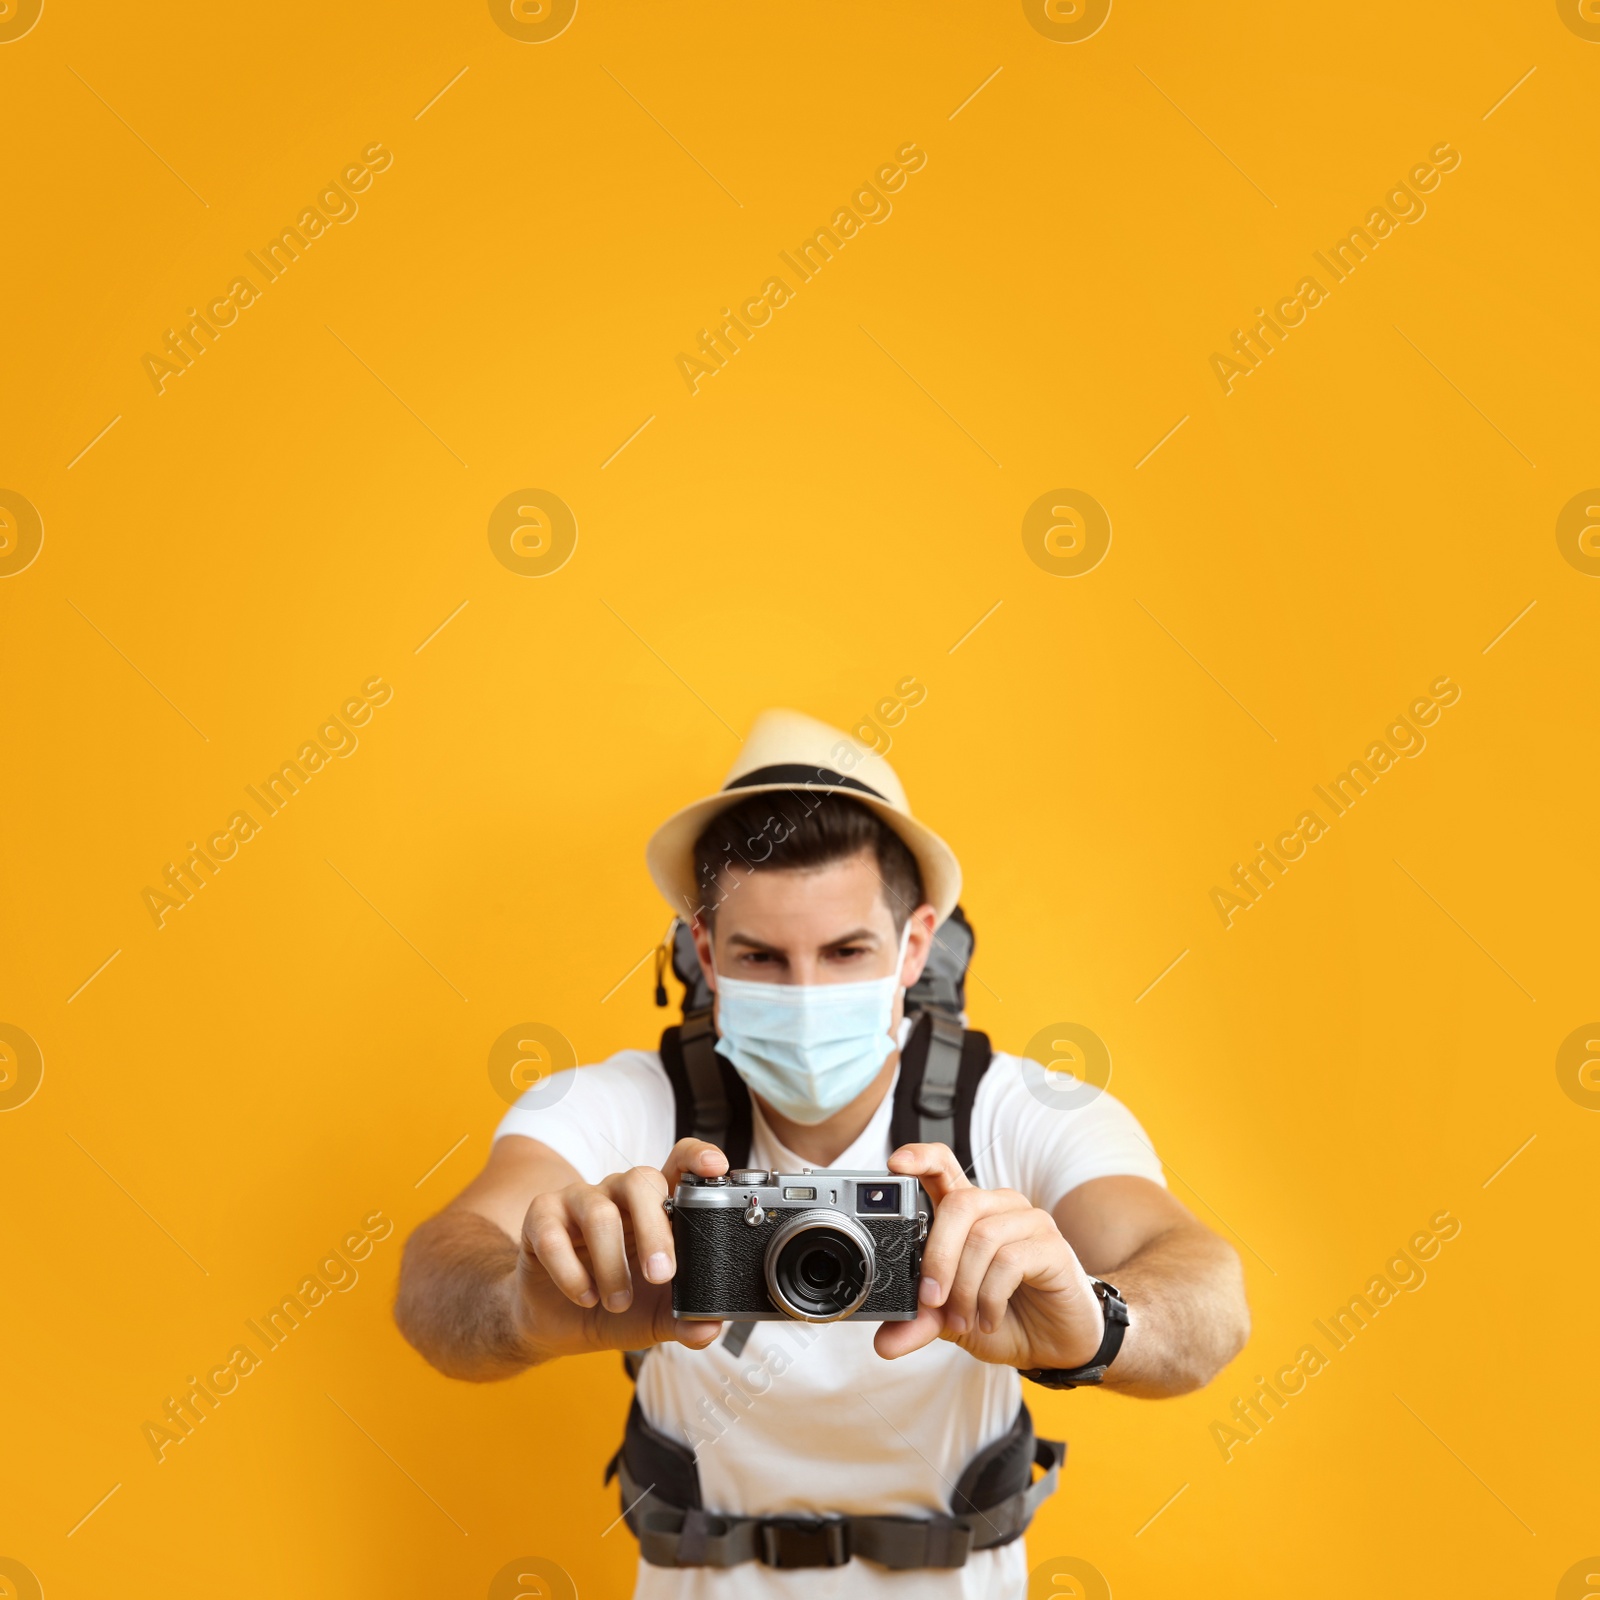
1009,1266
697,1335
935,1164
638,1194
547,1236
985,1238
896,1339
947,1238
668,1329
600,1223
696,1156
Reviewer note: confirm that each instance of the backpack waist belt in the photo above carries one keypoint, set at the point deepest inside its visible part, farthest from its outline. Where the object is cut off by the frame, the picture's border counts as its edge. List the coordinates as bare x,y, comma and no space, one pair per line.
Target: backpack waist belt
992,1504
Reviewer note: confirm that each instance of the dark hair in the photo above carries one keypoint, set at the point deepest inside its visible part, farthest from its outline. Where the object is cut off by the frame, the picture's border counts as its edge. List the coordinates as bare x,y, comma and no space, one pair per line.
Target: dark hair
793,829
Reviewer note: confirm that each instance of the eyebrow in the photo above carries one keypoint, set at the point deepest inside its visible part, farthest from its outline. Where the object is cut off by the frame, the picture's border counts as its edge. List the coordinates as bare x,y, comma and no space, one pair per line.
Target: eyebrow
855,936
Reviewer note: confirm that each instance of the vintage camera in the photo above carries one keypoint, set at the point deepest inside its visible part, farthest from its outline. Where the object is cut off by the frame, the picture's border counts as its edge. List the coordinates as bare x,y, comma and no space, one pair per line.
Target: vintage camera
823,1246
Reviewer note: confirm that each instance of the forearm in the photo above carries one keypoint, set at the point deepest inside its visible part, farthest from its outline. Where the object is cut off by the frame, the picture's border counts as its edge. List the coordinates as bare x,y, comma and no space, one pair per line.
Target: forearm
456,1299
1189,1318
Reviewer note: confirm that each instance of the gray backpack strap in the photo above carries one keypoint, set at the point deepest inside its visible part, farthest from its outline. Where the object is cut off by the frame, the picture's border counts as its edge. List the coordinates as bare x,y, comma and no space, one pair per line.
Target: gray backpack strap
686,1535
936,1094
996,1491
709,1098
669,1536
698,1041
940,1070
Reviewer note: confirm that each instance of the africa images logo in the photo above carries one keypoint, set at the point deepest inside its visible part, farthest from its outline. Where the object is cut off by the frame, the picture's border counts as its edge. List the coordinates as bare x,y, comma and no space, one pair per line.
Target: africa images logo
1401,204
869,203
334,203
334,738
21,533
1403,1273
336,1273
1403,737
17,18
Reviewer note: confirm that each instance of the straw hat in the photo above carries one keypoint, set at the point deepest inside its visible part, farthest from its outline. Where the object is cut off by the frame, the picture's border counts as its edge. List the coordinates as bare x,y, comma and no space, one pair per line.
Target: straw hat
789,750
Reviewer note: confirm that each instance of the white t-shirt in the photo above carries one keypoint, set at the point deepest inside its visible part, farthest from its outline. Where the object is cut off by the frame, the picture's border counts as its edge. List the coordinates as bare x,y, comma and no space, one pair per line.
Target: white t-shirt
809,1420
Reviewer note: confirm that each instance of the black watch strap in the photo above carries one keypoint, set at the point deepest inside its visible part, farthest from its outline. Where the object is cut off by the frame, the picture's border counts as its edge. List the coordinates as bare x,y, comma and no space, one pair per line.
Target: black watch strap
1115,1311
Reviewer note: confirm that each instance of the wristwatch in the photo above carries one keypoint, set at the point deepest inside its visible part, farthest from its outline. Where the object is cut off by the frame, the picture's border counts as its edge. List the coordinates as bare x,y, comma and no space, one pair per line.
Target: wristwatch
1115,1311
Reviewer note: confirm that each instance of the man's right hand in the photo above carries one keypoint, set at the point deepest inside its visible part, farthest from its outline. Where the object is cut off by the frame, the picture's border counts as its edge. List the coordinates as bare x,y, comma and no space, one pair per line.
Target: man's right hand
596,1261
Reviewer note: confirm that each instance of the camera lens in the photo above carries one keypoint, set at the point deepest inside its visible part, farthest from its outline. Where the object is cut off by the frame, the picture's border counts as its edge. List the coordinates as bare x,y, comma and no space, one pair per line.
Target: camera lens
819,1269
819,1266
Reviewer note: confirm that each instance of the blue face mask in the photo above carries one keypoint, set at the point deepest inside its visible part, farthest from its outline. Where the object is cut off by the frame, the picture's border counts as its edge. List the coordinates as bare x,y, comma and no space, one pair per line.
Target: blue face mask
808,1049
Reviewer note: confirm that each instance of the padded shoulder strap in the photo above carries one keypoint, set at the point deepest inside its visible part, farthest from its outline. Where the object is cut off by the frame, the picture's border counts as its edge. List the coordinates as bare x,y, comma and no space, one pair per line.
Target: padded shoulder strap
940,1070
710,1098
652,1458
1000,1470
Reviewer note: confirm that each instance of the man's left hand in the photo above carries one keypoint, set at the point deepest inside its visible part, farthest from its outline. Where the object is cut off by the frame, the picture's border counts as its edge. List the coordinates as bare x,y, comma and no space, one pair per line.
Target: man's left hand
997,1276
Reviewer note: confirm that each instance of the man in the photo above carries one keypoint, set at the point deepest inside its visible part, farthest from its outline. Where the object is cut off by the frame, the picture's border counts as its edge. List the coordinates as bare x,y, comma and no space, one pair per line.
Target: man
813,896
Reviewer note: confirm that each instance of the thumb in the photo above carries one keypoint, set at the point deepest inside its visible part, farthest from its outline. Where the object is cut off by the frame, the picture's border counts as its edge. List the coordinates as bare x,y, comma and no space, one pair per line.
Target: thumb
668,1329
896,1339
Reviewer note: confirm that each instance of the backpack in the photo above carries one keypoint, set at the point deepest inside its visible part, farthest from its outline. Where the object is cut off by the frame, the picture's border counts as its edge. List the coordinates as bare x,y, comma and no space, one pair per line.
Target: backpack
940,1067
996,1496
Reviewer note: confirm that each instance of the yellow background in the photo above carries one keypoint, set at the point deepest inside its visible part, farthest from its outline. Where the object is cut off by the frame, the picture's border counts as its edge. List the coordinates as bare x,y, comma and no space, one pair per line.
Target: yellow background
304,1042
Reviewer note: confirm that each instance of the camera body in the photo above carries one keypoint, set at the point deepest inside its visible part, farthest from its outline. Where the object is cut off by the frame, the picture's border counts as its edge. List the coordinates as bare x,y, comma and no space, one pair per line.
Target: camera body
823,1246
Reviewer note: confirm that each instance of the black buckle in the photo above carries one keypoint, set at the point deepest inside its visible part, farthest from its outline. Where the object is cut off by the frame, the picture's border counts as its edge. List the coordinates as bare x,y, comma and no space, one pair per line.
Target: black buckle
805,1542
